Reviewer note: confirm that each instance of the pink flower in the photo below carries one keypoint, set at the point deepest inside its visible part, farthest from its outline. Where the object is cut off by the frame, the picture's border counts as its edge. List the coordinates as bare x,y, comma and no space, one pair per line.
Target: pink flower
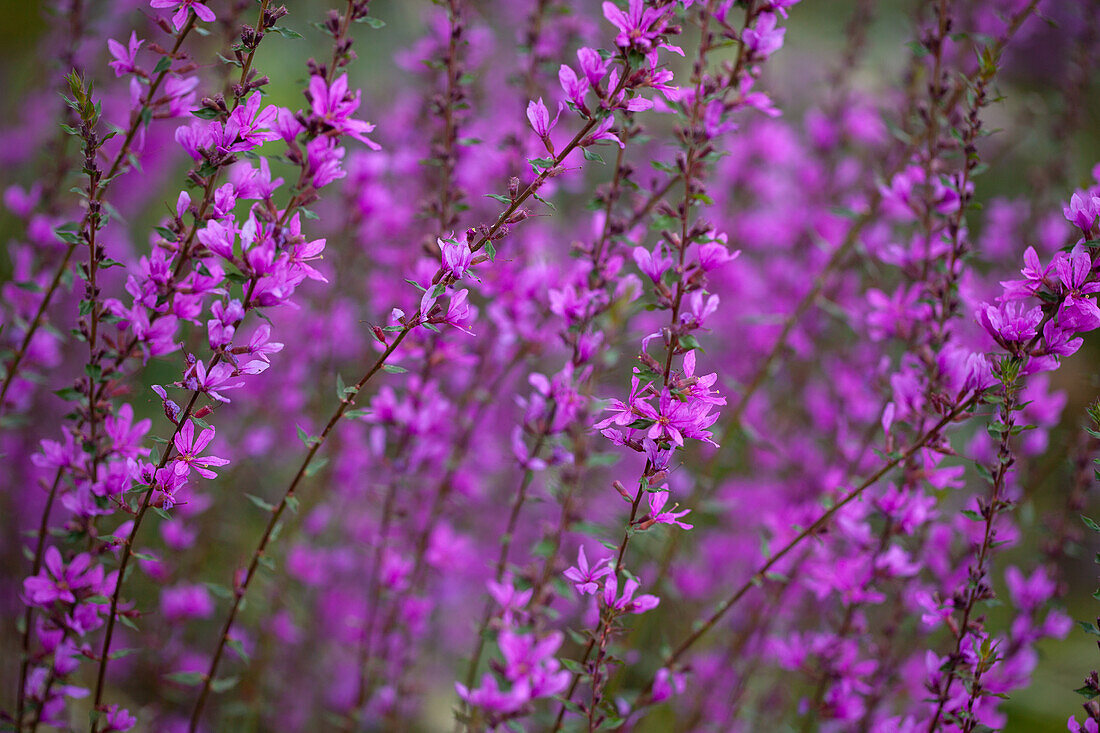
764,38
190,446
539,118
657,501
334,106
125,56
183,7
584,577
627,602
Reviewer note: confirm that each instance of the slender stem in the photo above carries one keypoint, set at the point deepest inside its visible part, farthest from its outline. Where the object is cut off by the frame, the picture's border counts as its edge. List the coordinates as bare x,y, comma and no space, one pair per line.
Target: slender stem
136,121
276,514
759,575
506,542
28,614
976,588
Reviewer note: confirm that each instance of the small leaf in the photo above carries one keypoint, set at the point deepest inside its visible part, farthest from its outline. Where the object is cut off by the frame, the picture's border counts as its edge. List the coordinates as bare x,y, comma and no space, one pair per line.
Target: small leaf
223,684
286,32
266,506
394,369
590,154
186,678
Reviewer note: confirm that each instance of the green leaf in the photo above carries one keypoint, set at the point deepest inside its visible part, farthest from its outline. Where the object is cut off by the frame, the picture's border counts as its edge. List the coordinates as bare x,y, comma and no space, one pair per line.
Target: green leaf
163,65
1091,524
186,678
222,684
372,22
123,653
238,648
590,154
286,32
498,197
314,466
265,505
394,369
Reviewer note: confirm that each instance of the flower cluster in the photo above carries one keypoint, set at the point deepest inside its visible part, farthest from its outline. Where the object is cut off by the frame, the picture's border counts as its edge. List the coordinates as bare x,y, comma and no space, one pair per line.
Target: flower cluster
646,364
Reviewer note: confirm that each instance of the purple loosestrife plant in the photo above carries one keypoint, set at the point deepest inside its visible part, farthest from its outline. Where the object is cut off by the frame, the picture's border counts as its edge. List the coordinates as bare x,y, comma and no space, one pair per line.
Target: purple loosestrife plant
705,375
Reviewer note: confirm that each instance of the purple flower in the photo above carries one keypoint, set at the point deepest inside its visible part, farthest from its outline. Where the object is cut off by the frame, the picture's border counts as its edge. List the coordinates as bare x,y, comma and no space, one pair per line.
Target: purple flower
1009,321
117,719
639,27
539,117
57,581
574,86
584,577
511,601
334,106
198,379
190,447
456,256
602,131
125,56
530,660
1077,312
186,600
654,264
626,601
764,38
592,64
657,501
182,7
490,697
1082,211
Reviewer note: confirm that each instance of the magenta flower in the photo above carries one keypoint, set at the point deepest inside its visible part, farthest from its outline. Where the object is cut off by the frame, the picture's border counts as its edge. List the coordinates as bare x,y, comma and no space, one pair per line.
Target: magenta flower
190,446
1009,321
573,86
125,56
456,256
199,379
1035,278
627,602
183,7
334,106
583,576
511,600
602,131
117,719
58,581
676,418
1082,211
654,264
593,65
251,124
530,660
539,117
639,27
764,38
490,697
186,600
657,501
1077,312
